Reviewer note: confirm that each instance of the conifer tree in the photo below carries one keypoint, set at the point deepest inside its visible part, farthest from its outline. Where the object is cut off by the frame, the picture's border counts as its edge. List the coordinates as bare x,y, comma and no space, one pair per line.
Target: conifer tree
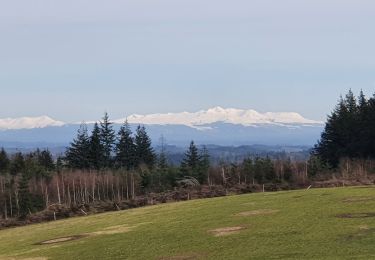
162,159
144,152
332,142
125,148
191,163
25,201
107,138
96,149
45,160
368,129
248,169
17,165
4,162
77,155
204,164
360,138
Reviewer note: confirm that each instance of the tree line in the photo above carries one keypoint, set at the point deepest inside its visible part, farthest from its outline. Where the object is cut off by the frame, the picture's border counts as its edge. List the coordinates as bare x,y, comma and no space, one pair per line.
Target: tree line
107,166
349,132
103,149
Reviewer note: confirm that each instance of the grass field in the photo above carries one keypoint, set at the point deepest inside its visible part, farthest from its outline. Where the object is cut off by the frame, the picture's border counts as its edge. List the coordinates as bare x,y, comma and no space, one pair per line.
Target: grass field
316,224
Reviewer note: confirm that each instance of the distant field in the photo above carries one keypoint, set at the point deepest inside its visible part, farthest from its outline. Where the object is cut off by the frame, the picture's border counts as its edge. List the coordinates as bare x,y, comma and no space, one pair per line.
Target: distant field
316,224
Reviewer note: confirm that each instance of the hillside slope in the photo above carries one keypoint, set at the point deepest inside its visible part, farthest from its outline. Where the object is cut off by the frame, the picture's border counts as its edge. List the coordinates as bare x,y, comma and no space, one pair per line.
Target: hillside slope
317,224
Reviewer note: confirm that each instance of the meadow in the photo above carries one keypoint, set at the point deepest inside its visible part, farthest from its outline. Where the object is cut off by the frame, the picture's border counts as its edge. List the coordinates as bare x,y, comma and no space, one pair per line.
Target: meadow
337,223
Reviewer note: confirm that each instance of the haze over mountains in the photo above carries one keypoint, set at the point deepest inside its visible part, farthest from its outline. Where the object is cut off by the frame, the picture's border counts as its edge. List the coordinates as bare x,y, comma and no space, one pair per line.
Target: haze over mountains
213,126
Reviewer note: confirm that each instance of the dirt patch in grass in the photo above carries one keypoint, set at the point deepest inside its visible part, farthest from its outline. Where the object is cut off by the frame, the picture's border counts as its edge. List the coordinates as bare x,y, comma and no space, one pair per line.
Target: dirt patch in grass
257,212
358,199
34,258
363,232
357,215
248,204
364,227
107,231
227,231
183,257
112,230
29,258
61,240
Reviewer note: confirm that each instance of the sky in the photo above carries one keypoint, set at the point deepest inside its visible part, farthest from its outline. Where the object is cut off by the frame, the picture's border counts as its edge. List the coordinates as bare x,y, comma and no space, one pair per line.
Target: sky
74,59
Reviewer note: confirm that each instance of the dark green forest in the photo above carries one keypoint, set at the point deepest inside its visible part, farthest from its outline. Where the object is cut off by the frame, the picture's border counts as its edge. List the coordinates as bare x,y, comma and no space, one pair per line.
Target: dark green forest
349,132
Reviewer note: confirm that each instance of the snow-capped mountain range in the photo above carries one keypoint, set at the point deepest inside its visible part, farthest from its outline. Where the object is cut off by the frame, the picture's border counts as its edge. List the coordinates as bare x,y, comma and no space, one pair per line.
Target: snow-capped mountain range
216,126
219,114
28,123
197,120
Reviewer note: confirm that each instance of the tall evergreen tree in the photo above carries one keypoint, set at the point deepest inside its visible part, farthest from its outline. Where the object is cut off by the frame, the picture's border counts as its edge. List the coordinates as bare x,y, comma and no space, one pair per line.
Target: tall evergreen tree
360,137
25,200
192,162
45,160
125,148
204,164
248,169
17,165
144,152
4,162
96,150
162,158
333,139
77,155
368,129
107,138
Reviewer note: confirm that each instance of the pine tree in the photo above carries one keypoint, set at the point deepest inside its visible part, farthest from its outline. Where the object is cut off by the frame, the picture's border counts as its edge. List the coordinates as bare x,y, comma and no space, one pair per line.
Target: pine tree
248,169
25,200
360,138
331,146
125,148
362,102
77,155
368,129
45,160
107,138
4,162
144,151
191,162
17,165
351,103
204,164
96,149
162,159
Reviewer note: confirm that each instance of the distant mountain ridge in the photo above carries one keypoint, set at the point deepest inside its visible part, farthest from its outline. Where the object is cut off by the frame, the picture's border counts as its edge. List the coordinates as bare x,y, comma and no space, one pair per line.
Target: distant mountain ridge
199,120
28,123
217,126
221,115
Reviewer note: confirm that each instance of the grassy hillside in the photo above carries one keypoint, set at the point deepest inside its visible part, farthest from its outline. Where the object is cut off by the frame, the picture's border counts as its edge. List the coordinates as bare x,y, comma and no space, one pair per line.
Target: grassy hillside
316,224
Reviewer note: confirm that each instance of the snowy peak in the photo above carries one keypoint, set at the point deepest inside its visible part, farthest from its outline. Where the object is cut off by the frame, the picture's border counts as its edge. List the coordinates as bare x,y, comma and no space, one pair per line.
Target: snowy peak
28,123
197,120
219,114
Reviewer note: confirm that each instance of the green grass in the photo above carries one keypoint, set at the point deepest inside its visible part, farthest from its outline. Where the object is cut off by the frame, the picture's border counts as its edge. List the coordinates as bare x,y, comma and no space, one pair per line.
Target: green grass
306,226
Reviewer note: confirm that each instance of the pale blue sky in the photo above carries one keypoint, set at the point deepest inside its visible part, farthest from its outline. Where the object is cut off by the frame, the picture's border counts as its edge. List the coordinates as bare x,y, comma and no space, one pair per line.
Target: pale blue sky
74,59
